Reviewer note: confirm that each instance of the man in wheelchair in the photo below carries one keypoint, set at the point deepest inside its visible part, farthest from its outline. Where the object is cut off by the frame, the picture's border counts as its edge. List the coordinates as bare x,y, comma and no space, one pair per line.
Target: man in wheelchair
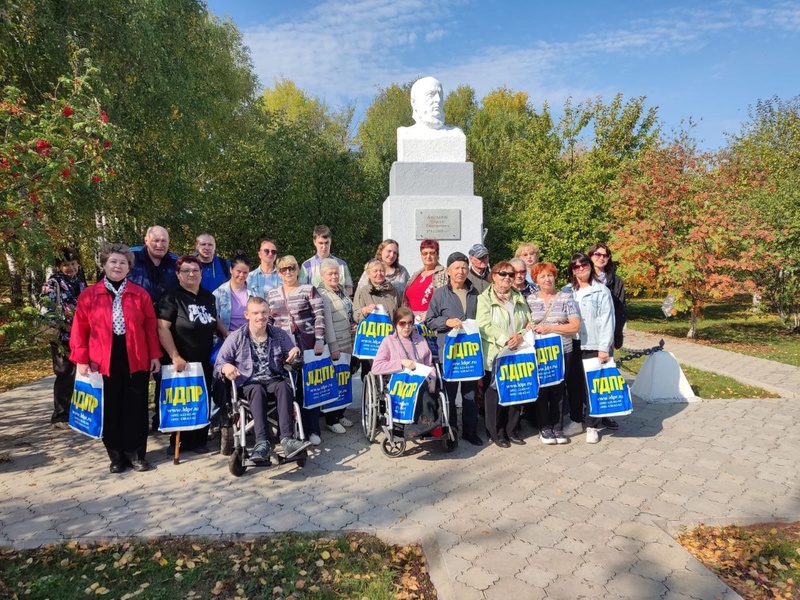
253,358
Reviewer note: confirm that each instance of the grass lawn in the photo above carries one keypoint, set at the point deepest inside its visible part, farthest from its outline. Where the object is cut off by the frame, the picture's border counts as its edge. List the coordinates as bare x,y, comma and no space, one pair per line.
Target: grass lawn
707,385
758,561
730,326
284,566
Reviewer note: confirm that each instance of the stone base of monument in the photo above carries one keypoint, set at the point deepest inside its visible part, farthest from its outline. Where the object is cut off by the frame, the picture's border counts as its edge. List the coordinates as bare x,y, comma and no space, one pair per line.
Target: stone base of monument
661,379
432,200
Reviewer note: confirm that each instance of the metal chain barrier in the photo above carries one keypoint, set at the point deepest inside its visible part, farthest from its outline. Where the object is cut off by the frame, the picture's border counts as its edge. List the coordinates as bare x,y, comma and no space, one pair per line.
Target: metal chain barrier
632,353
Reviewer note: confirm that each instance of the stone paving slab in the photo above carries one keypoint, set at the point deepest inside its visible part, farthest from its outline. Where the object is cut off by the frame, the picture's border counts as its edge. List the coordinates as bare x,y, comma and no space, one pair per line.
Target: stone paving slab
759,372
573,521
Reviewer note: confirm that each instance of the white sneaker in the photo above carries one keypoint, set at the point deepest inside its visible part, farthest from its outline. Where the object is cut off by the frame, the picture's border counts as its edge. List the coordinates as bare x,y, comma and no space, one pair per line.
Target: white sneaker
592,435
345,422
314,439
337,428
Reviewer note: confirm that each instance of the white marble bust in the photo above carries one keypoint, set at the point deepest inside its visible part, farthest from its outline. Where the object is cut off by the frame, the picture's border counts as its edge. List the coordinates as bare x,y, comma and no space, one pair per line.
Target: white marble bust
429,139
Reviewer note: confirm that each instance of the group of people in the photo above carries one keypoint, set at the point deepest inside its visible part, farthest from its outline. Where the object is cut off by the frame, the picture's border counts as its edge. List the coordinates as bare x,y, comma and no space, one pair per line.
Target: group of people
151,307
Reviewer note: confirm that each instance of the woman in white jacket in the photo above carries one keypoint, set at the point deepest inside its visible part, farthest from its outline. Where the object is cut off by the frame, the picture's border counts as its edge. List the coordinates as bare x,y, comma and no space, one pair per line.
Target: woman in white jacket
597,330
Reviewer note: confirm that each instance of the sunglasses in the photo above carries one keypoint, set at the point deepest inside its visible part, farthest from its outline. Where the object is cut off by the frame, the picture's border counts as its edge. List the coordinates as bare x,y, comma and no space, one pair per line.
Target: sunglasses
505,273
268,251
405,323
600,254
580,267
520,273
287,269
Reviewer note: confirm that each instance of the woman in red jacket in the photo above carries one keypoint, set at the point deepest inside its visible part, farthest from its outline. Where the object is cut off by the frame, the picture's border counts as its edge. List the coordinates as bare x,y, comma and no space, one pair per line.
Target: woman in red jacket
114,333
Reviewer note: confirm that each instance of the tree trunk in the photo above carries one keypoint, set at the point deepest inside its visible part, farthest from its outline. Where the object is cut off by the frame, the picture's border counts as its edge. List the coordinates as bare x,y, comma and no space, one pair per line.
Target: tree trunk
17,297
692,334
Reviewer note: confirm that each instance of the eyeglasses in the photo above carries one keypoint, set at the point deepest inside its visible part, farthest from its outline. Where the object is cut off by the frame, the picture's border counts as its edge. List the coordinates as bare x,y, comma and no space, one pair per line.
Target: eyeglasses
405,323
521,273
190,271
269,251
287,269
600,254
580,267
505,273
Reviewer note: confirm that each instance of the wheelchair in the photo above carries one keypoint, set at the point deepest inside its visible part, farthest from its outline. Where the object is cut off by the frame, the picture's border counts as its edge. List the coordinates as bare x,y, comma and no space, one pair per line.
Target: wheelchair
376,415
234,433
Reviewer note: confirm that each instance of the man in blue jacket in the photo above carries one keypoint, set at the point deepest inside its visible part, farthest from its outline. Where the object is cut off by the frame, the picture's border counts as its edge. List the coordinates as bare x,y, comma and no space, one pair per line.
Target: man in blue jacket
216,270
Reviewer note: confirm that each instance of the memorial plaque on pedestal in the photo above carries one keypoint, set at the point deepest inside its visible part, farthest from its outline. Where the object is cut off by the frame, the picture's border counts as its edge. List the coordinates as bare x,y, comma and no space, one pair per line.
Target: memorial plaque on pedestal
437,224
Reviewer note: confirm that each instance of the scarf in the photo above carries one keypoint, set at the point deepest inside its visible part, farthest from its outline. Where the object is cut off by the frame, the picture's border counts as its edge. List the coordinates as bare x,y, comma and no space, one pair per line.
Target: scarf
377,290
502,297
117,318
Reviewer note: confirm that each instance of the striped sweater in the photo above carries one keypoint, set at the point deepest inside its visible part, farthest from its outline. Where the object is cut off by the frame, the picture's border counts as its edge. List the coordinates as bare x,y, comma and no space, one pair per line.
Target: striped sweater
302,308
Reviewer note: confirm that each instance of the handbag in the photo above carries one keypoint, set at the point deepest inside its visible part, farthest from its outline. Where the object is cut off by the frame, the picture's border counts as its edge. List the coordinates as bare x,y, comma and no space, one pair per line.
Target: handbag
183,400
319,379
515,375
462,358
86,406
609,395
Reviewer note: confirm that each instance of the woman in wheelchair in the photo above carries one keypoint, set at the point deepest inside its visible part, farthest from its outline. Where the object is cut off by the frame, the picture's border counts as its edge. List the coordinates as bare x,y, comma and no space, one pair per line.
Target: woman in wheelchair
253,358
403,350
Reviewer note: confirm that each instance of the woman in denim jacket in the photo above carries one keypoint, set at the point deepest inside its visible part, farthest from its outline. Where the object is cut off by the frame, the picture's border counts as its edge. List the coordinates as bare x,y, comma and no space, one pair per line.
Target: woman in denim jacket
596,335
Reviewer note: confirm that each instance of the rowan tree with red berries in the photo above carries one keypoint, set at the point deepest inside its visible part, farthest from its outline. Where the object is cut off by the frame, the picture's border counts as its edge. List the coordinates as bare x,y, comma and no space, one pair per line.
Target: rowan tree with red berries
682,225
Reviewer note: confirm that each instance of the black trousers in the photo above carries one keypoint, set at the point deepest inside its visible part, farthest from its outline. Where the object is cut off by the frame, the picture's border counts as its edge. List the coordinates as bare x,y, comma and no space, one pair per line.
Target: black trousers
65,381
125,407
576,383
258,394
500,420
551,406
469,408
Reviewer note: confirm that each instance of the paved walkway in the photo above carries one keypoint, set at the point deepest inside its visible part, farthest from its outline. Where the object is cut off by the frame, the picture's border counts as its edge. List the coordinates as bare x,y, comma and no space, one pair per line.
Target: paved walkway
767,374
529,522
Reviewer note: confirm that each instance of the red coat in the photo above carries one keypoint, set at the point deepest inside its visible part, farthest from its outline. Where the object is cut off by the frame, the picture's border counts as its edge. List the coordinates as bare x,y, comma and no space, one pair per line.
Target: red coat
90,340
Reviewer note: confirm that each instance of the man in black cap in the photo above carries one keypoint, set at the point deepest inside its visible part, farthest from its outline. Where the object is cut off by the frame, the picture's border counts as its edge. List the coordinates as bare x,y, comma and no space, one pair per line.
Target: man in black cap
449,307
479,271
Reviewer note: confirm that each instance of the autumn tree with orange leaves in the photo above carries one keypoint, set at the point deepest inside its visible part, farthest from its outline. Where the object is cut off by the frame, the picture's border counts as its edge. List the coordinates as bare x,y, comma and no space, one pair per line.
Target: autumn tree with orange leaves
681,225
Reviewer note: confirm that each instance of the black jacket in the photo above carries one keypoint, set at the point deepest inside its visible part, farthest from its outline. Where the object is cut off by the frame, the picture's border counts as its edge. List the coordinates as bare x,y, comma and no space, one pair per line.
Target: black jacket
444,305
617,287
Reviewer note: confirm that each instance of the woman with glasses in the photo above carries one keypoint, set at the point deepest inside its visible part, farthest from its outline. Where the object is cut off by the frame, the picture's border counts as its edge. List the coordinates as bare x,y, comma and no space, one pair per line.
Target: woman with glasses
403,349
605,269
503,316
299,310
187,320
114,333
552,311
396,274
422,283
596,336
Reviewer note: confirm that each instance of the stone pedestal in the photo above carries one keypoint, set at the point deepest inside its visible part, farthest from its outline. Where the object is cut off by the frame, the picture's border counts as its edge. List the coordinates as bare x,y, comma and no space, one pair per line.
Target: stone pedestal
432,200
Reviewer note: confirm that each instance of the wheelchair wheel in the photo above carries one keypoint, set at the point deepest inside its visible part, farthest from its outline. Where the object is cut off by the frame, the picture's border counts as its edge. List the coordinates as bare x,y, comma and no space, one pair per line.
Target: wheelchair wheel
393,449
369,409
449,445
236,463
226,440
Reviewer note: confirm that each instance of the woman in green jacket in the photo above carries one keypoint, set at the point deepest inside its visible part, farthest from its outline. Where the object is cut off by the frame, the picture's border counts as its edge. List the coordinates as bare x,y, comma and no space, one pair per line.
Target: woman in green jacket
502,316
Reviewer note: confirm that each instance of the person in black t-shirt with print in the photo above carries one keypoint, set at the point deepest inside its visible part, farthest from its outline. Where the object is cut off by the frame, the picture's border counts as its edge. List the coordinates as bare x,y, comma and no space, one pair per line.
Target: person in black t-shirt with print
187,319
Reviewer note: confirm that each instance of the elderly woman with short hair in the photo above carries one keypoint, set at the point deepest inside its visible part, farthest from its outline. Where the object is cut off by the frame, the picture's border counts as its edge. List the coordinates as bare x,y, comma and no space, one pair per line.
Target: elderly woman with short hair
520,283
529,253
339,328
114,333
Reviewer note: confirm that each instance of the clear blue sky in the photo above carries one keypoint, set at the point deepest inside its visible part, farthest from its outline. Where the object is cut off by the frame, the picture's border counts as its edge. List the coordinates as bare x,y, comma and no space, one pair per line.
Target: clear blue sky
707,61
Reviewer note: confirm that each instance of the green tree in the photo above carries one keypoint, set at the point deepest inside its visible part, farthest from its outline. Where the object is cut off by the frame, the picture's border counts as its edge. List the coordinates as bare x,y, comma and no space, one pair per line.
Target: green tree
769,146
